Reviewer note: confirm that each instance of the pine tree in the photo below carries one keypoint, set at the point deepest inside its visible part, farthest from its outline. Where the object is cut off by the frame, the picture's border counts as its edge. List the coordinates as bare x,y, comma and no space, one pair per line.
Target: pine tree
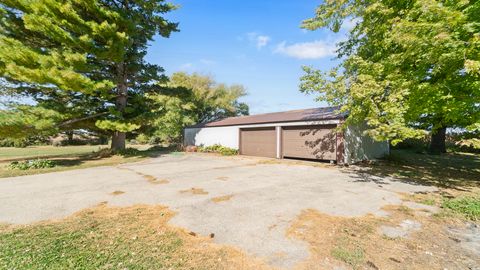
84,60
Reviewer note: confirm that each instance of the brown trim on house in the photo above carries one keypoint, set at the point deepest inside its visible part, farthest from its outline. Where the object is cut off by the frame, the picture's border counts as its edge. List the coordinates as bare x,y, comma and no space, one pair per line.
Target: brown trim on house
340,146
240,141
280,141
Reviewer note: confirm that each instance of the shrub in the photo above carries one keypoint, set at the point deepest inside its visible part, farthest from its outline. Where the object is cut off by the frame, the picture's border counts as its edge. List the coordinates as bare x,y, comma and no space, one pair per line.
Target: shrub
155,140
469,207
107,152
129,151
20,143
32,164
217,148
142,139
104,153
24,142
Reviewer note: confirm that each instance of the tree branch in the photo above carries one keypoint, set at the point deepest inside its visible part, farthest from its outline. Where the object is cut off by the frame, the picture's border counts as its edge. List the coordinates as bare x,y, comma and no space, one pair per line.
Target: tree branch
71,121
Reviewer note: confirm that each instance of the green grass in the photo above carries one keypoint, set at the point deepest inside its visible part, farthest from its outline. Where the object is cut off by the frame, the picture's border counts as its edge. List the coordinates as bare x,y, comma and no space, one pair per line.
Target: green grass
136,237
70,157
459,171
11,153
428,201
353,257
466,206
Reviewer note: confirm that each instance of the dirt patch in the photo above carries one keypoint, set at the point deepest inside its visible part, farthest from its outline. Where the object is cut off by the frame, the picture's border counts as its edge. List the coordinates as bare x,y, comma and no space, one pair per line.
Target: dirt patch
117,192
222,198
150,178
222,178
296,163
195,191
153,180
137,237
358,243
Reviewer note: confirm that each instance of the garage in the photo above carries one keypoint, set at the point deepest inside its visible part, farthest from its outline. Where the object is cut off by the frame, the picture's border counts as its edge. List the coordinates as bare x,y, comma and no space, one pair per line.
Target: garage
258,142
304,134
309,142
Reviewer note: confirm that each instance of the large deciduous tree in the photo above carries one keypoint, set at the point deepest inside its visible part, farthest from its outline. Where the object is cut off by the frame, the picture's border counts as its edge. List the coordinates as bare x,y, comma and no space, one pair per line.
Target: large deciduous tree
81,62
188,99
407,67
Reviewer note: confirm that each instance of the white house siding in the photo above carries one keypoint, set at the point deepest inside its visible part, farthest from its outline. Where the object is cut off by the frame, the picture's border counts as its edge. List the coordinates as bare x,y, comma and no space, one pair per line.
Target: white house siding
226,136
359,147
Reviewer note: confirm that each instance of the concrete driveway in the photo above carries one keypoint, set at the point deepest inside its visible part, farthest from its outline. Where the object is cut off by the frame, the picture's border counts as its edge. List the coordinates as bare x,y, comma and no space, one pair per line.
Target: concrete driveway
246,202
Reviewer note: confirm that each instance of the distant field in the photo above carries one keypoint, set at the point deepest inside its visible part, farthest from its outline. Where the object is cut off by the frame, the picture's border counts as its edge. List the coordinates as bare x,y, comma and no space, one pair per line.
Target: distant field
7,153
66,157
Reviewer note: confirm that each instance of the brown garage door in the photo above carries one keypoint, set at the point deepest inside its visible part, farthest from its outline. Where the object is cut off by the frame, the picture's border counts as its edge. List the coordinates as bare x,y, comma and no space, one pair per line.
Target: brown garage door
258,142
312,142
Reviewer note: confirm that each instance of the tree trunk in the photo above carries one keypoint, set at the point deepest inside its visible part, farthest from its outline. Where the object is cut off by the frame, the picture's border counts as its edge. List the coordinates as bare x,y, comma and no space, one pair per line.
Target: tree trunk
437,142
69,137
118,137
118,140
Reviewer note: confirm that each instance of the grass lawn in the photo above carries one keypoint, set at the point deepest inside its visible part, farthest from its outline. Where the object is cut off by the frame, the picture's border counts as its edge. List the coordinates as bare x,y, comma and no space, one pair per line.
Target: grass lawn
13,153
456,175
455,171
67,157
136,237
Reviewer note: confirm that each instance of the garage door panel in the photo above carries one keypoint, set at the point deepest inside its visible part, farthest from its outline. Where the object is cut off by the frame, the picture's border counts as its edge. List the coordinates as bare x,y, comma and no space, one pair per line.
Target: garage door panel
312,142
258,142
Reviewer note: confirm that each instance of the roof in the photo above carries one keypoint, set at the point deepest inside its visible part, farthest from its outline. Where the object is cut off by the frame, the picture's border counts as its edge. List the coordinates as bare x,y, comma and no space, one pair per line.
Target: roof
315,114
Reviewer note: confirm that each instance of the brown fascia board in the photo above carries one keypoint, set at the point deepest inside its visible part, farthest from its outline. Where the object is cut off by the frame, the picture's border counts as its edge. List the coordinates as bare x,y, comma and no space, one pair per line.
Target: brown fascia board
315,114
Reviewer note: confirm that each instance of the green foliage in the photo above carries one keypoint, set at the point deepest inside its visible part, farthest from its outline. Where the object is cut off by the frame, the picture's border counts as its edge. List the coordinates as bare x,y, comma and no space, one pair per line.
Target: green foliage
210,100
192,98
24,121
95,241
81,62
127,152
217,148
32,164
468,207
470,143
23,142
353,257
407,67
142,139
116,125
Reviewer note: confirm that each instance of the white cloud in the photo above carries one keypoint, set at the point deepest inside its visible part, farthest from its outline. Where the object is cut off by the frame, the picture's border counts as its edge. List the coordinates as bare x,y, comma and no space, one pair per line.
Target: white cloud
186,66
197,65
260,41
349,23
207,62
307,50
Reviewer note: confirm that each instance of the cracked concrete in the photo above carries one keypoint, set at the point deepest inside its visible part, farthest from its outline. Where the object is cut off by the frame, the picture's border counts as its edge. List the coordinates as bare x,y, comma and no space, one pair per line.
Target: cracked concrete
265,198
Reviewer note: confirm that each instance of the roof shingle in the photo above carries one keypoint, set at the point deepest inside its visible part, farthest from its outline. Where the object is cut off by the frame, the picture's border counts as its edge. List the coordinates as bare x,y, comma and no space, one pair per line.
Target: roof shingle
315,114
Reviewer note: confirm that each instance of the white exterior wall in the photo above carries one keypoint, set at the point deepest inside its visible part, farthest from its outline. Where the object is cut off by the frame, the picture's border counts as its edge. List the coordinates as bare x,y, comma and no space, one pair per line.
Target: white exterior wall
359,147
226,136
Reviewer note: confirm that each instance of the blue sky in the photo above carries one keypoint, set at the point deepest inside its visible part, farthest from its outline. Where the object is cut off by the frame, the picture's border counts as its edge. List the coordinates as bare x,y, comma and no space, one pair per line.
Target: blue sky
256,43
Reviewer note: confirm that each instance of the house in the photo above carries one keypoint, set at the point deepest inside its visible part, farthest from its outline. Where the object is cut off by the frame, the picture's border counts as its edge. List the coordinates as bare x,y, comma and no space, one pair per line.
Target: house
302,134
